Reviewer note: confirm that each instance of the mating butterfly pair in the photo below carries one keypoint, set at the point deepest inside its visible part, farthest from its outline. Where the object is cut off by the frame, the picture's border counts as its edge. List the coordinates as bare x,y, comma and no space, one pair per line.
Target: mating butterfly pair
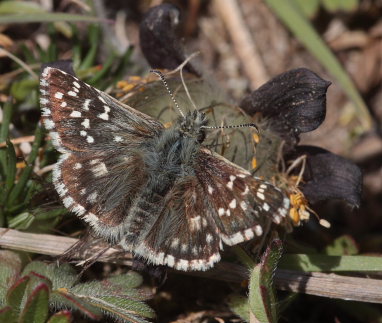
158,192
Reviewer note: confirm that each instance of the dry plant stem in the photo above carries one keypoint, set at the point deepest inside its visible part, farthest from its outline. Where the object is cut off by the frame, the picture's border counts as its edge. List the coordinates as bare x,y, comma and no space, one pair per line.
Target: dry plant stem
17,141
245,47
320,284
20,62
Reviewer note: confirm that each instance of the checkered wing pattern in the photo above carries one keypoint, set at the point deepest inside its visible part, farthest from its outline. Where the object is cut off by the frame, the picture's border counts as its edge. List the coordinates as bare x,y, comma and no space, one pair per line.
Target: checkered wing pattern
155,191
223,203
100,171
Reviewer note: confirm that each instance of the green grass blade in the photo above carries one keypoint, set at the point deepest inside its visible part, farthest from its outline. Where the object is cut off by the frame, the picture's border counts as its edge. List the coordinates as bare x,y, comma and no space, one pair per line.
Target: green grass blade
4,130
94,31
317,262
289,12
105,68
21,184
46,17
11,167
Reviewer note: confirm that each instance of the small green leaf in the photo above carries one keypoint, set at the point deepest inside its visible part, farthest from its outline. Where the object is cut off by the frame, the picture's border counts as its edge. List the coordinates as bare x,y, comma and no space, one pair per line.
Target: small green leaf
36,279
122,308
10,267
21,221
42,215
19,7
37,305
7,314
63,297
16,292
239,305
63,276
344,245
23,88
319,262
61,317
262,298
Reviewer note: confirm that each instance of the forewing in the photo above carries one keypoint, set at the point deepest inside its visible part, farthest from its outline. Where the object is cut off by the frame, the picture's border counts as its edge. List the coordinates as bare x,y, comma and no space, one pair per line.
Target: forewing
184,236
100,172
80,117
241,204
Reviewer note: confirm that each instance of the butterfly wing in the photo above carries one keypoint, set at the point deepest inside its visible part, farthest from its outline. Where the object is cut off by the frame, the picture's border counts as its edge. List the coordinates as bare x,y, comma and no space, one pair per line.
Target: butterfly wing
100,172
221,203
81,118
183,235
242,204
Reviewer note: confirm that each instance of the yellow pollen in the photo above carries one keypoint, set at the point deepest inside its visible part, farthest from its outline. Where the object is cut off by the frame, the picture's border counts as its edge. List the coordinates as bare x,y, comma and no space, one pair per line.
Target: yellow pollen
254,162
256,137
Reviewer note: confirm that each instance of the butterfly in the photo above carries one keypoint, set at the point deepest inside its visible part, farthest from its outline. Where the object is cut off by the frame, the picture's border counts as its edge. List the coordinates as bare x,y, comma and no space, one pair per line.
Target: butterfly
156,191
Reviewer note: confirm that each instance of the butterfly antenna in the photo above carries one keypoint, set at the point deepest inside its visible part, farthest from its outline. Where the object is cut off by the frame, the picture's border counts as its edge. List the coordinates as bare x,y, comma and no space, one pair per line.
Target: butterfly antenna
234,126
163,79
180,69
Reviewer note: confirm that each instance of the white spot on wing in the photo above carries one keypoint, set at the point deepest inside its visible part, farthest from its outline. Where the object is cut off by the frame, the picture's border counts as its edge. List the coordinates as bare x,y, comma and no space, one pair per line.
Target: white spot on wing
49,124
86,123
236,238
175,243
170,260
232,205
79,210
249,234
89,139
243,205
105,115
182,264
195,223
77,166
91,218
260,195
118,139
58,95
71,93
75,114
86,104
92,197
246,190
258,230
68,201
43,83
99,169
44,101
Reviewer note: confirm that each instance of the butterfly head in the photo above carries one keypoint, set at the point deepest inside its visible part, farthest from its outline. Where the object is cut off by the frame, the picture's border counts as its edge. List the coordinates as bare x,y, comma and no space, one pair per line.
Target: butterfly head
193,125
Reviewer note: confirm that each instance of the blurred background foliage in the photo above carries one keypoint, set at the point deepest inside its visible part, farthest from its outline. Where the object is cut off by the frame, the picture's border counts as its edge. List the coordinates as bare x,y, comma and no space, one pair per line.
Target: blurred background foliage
341,40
